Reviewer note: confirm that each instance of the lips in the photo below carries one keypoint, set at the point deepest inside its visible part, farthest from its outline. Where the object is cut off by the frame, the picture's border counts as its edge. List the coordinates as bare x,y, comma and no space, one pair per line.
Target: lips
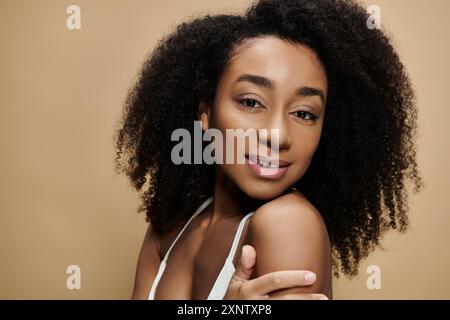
267,168
267,162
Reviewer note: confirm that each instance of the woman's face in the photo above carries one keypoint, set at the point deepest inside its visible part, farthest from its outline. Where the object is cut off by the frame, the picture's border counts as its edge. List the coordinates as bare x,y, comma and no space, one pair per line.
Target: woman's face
271,84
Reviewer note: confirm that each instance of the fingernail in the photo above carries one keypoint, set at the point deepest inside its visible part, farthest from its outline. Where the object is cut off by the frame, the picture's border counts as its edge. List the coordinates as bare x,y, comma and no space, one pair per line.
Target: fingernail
310,277
324,298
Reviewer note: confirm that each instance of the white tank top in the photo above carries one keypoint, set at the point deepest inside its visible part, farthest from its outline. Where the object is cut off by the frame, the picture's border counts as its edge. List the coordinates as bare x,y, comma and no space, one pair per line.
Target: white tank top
220,287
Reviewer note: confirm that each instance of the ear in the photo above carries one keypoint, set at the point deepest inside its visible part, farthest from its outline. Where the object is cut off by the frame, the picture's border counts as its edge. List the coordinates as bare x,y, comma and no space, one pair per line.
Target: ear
203,115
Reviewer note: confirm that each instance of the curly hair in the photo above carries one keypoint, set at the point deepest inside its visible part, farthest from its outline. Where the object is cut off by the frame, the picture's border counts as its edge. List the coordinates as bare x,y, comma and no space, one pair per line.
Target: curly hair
357,176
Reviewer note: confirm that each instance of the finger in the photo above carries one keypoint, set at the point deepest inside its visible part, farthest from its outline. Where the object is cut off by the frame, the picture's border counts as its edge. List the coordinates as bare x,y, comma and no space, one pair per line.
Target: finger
245,265
300,296
279,280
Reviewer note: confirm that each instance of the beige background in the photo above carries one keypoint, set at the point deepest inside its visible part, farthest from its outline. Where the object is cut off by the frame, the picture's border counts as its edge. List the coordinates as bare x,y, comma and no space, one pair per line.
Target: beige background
61,94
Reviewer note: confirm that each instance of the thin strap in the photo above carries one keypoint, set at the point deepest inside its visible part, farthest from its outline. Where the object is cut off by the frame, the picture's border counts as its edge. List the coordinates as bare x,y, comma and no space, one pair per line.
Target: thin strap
226,273
238,235
162,265
200,209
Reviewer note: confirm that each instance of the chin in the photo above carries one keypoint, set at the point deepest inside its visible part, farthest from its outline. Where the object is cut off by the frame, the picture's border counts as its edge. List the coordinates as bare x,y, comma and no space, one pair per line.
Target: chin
262,190
256,187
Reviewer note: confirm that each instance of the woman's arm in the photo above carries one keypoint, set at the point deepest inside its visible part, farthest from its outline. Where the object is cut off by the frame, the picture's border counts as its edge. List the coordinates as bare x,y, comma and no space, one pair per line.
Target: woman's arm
289,233
149,260
147,265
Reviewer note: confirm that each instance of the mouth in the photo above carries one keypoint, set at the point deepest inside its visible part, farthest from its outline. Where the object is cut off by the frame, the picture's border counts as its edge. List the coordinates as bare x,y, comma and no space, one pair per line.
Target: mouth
267,168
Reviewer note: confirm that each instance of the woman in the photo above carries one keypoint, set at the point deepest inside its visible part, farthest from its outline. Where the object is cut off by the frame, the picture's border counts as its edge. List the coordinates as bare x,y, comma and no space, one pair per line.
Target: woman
344,109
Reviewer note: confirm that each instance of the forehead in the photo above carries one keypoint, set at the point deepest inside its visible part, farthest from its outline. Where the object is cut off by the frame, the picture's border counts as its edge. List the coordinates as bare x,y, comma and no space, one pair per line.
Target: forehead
279,60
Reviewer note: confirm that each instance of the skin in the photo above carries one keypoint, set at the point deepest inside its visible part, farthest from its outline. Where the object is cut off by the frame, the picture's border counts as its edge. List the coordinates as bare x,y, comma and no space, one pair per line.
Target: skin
290,68
286,90
265,287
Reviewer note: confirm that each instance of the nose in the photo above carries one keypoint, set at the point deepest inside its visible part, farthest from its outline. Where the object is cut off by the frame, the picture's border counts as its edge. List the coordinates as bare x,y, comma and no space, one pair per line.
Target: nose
278,134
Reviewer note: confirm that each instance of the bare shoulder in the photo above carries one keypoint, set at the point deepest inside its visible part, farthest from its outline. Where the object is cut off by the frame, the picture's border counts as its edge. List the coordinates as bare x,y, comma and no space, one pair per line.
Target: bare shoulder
289,233
292,210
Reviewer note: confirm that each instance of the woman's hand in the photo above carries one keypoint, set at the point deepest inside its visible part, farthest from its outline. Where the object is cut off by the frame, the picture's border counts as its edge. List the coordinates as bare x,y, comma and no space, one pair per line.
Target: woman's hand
241,288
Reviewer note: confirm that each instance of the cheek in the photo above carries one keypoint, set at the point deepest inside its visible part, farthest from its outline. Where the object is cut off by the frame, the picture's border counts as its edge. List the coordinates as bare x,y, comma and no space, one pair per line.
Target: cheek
304,145
223,117
228,116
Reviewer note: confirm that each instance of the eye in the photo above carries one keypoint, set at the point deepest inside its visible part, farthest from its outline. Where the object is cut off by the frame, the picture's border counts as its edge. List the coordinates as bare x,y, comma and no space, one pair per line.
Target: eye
250,103
304,115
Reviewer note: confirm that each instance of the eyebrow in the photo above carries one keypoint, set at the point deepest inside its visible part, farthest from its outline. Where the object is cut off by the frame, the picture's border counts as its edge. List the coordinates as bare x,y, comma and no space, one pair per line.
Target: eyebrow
269,84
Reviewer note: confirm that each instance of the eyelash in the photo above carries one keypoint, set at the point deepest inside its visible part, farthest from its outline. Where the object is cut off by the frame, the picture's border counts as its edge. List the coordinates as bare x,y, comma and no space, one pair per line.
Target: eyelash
248,99
242,102
312,116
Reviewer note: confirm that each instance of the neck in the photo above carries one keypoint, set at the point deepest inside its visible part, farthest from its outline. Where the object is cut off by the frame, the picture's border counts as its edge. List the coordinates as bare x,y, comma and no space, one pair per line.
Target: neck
229,200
